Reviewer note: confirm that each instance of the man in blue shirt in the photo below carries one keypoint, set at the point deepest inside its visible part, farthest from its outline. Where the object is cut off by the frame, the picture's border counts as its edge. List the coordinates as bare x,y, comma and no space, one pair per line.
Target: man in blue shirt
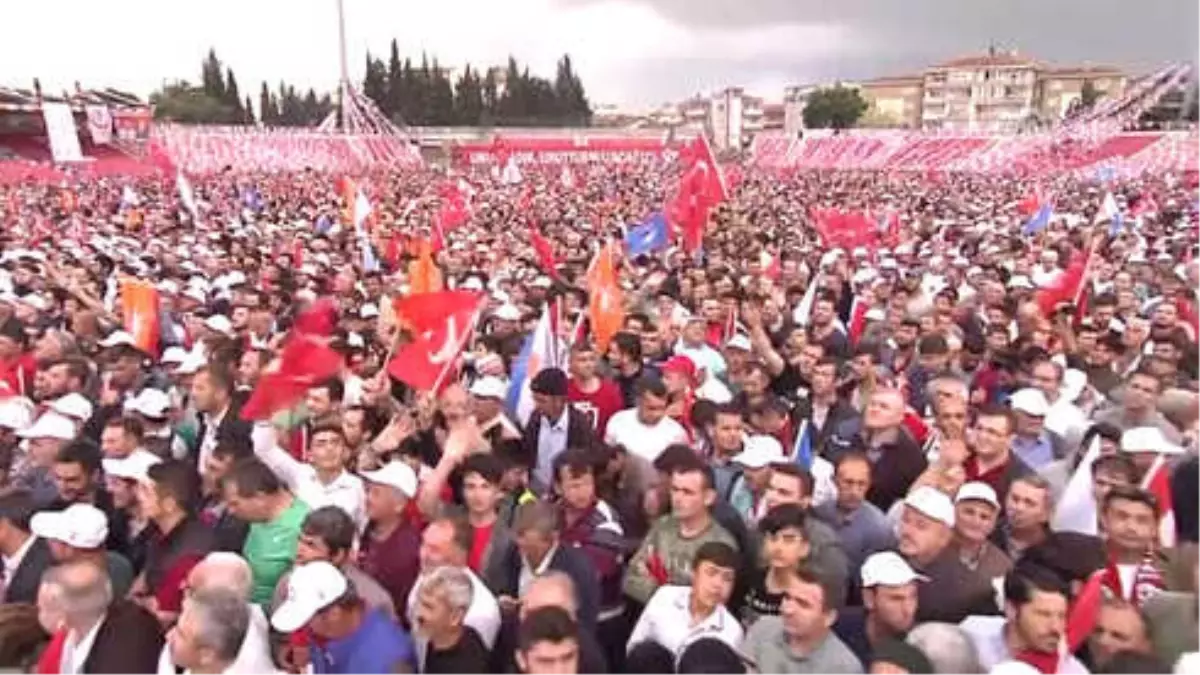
352,638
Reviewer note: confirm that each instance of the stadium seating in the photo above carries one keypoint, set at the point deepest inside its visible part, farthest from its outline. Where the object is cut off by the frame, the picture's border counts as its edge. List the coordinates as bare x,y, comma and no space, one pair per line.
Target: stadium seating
202,150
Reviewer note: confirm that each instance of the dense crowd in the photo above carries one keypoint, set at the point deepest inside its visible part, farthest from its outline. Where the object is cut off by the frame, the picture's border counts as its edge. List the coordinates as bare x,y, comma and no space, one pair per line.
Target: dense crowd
956,445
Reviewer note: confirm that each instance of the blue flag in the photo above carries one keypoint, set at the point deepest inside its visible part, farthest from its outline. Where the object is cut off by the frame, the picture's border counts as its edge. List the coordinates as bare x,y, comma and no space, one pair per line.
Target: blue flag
1039,221
802,450
648,236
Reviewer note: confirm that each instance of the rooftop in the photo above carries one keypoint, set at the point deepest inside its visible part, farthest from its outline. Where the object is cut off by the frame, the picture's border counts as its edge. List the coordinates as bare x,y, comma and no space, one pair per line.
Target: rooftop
991,58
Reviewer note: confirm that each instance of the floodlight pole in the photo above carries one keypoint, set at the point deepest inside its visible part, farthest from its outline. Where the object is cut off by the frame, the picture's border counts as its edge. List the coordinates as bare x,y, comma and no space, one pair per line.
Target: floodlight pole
343,95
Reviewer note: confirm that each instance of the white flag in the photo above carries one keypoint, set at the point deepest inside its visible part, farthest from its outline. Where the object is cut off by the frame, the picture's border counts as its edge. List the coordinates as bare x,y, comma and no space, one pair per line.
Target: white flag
511,174
187,196
1076,510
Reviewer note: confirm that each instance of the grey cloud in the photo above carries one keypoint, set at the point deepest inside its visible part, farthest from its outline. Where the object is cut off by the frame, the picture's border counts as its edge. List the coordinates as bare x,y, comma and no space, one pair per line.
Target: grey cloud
899,36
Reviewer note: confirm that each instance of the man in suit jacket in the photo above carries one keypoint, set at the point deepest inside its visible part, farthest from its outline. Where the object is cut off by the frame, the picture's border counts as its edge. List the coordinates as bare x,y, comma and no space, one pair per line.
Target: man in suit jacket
537,552
25,556
553,427
99,634
212,396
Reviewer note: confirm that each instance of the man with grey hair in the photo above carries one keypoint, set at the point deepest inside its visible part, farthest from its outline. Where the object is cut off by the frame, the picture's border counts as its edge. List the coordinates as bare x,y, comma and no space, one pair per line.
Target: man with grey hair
552,589
947,647
100,635
229,572
210,632
445,644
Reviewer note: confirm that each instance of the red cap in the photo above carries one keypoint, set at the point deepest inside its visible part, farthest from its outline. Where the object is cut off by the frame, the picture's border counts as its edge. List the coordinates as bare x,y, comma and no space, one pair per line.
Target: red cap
680,364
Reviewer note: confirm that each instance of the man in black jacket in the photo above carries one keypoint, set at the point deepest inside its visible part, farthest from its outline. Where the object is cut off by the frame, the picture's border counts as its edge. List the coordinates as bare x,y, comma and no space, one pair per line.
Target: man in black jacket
25,556
537,552
896,459
553,427
78,479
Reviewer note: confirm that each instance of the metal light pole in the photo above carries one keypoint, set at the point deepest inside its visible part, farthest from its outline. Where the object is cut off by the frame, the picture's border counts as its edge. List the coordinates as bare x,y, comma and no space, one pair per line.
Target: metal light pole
344,81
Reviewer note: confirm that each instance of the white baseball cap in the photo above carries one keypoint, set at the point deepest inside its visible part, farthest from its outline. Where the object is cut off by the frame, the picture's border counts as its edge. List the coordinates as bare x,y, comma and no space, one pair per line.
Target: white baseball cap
489,387
50,425
311,588
73,405
79,526
191,364
759,451
16,413
1148,439
173,355
931,502
150,403
738,341
117,338
507,312
219,323
887,568
134,467
396,474
1031,402
978,491
368,311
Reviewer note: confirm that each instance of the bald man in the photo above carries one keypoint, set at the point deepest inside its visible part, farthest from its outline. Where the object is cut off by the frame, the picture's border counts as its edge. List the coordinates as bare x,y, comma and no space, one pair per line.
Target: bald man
553,589
230,573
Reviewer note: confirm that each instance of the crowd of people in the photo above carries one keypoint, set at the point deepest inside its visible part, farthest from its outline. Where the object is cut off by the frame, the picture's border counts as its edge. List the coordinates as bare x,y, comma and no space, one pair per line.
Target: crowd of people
915,454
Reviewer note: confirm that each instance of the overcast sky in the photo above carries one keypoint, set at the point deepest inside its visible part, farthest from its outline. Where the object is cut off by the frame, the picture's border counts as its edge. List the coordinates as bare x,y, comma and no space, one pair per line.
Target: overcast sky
629,52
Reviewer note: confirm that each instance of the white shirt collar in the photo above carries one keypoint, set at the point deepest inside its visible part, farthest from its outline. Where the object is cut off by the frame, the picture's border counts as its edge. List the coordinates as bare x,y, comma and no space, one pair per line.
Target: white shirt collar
76,652
11,563
544,565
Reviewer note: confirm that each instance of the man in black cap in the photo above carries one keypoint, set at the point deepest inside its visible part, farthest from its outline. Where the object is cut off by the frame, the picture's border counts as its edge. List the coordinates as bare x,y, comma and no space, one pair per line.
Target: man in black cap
553,427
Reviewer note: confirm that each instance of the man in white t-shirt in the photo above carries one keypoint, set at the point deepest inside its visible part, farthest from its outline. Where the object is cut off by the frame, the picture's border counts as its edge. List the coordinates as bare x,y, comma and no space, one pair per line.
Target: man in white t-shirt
646,430
1032,628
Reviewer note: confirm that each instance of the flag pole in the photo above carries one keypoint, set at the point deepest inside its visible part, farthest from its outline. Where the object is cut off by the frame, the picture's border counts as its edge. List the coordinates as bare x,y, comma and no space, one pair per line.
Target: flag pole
462,342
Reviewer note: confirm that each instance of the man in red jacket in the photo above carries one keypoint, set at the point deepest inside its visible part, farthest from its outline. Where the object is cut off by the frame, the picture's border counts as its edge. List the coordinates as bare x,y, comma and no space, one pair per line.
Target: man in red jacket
17,366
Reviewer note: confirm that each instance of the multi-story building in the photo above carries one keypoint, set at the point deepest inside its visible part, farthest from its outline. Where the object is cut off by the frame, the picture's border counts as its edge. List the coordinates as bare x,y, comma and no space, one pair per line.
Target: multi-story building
1062,88
1005,91
894,101
997,91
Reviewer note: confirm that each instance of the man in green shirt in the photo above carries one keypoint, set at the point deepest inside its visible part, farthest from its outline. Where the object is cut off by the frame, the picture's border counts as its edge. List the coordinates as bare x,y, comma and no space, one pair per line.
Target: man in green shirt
256,495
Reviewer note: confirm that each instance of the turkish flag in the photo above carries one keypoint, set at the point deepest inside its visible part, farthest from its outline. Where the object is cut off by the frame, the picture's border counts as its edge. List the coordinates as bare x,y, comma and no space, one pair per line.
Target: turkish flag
303,363
439,336
544,251
423,312
318,319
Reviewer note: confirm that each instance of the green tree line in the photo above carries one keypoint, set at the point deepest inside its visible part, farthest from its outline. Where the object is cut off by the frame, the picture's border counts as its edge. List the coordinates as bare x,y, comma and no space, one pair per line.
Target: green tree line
407,93
423,94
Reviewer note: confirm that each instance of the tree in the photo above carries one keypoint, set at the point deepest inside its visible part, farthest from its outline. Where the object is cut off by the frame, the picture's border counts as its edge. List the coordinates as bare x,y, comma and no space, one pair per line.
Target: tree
440,103
375,83
248,111
568,89
490,97
268,108
468,98
233,98
834,107
1088,94
182,102
396,87
211,79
